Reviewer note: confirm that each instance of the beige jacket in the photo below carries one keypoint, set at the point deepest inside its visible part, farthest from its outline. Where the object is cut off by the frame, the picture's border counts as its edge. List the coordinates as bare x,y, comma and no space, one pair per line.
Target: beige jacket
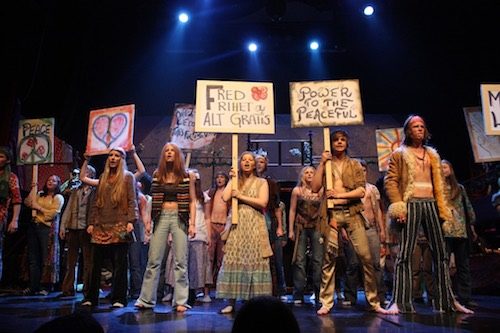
399,182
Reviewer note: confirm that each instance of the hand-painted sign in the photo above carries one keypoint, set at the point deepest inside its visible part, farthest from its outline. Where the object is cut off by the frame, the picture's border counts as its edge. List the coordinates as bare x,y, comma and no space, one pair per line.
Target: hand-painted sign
388,140
110,127
35,141
234,107
490,96
325,103
182,129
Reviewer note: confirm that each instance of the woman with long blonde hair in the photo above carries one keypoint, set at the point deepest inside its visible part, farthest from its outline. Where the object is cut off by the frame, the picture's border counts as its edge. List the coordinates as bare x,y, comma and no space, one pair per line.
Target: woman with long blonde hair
245,271
174,212
304,219
112,219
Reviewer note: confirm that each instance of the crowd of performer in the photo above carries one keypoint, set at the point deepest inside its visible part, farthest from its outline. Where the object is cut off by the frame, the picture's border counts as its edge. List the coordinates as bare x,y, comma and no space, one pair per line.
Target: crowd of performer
164,239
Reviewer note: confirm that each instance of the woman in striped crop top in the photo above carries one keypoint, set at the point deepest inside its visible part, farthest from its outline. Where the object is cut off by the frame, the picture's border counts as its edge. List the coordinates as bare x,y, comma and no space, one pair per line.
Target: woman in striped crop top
173,211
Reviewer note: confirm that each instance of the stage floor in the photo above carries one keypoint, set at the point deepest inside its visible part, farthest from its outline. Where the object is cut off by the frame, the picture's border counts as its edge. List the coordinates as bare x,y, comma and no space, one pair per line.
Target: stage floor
24,314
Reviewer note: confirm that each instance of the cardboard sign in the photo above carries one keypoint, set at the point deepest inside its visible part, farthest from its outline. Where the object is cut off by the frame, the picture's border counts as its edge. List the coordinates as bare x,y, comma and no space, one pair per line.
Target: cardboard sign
486,148
234,107
110,127
325,103
388,140
35,141
490,96
182,130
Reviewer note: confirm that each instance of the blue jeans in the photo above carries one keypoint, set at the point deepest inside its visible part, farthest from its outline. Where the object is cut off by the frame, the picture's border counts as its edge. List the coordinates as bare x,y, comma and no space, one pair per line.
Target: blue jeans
299,267
168,223
38,242
138,258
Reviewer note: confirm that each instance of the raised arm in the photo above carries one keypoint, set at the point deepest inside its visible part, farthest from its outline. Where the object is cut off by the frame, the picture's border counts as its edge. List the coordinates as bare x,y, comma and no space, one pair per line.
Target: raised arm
85,179
138,163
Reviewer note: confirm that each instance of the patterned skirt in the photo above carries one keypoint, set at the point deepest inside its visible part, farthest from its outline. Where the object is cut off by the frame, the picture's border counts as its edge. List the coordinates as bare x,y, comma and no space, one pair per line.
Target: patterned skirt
245,273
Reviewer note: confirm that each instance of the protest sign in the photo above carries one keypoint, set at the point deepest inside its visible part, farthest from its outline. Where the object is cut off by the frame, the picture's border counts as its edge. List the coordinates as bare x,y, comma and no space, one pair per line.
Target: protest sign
490,96
182,131
388,140
110,127
35,141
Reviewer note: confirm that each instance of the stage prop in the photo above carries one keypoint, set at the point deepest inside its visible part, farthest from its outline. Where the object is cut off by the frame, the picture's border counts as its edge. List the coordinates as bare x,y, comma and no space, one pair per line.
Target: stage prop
485,148
182,131
234,107
110,127
388,140
35,141
325,104
490,97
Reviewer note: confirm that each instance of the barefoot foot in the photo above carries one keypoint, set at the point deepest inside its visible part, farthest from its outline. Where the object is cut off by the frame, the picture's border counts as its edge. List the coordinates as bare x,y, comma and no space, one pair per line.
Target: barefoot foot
323,311
181,308
393,309
460,308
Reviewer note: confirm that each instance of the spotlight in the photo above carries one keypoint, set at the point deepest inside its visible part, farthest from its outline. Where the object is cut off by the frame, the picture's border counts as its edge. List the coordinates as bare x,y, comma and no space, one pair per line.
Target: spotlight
368,11
252,47
314,45
183,17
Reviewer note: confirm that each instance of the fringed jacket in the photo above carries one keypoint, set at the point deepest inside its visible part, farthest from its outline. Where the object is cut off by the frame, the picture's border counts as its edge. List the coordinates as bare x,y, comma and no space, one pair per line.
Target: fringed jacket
399,182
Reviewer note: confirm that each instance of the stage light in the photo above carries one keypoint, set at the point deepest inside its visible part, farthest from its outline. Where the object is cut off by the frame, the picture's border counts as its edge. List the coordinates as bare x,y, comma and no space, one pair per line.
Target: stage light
314,45
368,11
252,47
183,17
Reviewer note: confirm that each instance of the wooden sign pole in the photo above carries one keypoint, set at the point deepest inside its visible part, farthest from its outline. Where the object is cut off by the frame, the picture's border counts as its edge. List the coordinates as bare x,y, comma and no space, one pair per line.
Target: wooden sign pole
328,164
234,180
34,180
188,159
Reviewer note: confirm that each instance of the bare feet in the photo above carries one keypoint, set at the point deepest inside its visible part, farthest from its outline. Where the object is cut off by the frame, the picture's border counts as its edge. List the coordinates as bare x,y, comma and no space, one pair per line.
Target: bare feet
181,308
381,310
227,309
393,309
460,308
323,311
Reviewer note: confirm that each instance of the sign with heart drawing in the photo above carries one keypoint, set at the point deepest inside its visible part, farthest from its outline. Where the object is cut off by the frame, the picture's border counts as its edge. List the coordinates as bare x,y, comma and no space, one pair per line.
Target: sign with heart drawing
110,127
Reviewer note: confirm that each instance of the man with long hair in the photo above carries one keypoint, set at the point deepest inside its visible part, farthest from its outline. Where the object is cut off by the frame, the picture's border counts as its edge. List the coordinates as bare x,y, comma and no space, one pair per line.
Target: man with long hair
415,187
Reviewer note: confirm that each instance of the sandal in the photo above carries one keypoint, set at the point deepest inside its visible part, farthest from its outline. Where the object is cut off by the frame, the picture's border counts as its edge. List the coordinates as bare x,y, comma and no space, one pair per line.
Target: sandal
141,306
27,292
227,309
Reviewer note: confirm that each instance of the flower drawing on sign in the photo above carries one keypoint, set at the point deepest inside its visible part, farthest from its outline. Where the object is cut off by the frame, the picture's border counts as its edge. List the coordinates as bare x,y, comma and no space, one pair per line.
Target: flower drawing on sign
259,93
35,149
107,129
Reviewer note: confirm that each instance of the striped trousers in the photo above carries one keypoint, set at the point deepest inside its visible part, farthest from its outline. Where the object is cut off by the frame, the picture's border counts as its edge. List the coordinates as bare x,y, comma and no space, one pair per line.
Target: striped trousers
425,212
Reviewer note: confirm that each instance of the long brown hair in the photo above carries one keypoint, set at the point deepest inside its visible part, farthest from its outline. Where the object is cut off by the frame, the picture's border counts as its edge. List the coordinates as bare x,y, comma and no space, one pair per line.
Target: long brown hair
451,180
240,173
178,167
118,185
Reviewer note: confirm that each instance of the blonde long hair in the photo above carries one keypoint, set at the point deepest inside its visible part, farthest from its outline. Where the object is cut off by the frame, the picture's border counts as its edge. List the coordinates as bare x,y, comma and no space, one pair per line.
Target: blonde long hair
301,182
118,185
178,167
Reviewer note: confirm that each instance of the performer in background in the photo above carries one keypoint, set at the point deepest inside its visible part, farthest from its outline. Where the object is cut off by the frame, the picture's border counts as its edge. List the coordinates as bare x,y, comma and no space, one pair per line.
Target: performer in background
304,217
73,230
43,243
245,271
173,211
217,211
112,219
348,189
10,195
416,190
461,234
274,222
